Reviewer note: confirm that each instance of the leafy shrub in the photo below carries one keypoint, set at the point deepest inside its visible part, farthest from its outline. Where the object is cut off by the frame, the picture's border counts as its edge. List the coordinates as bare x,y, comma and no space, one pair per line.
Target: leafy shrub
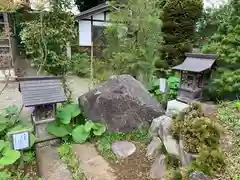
196,130
173,83
8,123
81,64
224,83
29,157
209,160
72,124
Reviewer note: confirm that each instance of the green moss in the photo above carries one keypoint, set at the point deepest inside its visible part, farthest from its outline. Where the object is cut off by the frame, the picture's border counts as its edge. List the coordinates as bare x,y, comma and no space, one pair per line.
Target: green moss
68,157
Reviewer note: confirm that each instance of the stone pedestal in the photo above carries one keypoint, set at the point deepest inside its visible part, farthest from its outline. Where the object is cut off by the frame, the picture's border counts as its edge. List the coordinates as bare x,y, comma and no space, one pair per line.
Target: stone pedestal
174,107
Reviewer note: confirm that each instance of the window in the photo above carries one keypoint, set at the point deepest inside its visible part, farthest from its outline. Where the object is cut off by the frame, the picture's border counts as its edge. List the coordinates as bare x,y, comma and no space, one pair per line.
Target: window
98,36
99,40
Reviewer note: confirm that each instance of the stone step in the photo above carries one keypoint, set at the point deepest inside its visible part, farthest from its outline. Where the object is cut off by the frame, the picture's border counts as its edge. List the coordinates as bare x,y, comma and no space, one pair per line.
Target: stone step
92,164
50,166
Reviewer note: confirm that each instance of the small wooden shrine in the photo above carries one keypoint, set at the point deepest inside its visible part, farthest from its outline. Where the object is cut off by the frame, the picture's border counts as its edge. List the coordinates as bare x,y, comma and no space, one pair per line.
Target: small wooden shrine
194,72
42,94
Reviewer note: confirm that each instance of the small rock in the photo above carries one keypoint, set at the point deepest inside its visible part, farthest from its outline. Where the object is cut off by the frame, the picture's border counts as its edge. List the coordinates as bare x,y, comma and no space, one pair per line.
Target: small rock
165,135
157,169
164,126
185,157
123,149
153,130
153,147
198,176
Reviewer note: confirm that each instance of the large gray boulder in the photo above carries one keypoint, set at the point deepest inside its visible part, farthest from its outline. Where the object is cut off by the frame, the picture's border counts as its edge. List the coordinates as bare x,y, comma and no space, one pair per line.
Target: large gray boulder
122,103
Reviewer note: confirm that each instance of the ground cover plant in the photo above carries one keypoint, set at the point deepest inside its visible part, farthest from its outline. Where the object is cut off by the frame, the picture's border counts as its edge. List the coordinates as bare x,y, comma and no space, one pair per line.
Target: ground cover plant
229,117
9,158
137,165
66,153
72,125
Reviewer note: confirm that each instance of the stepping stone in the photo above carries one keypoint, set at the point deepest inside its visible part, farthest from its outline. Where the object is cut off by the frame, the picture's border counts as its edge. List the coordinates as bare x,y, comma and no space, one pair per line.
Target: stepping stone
123,149
157,169
50,166
94,166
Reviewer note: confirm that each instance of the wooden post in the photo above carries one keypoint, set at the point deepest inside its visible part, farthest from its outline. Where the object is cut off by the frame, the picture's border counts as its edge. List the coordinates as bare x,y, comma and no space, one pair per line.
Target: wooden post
21,164
163,85
91,66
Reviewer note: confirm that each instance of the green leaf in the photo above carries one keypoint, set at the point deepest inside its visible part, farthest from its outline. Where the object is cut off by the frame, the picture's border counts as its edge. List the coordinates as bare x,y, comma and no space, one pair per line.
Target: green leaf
3,144
11,110
32,140
88,126
59,130
9,157
75,110
64,115
99,129
79,134
3,120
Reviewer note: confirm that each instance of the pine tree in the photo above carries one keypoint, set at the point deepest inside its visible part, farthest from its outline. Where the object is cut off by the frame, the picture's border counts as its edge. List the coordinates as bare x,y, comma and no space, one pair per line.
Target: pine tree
134,38
179,19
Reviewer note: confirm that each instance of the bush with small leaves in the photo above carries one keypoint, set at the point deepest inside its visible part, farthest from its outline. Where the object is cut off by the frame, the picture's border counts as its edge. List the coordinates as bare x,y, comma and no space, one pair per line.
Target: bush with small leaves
209,160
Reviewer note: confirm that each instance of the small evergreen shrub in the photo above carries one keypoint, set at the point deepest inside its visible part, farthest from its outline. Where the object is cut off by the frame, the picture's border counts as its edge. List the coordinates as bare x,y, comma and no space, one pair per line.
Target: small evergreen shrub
198,132
209,160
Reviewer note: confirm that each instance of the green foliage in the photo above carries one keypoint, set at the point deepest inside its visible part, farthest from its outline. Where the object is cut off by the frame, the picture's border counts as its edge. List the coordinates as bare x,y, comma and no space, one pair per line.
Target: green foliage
238,105
46,37
173,83
200,135
196,130
172,161
84,5
5,175
68,157
9,156
104,143
225,43
134,38
81,64
229,116
71,122
29,157
177,175
209,161
8,123
179,19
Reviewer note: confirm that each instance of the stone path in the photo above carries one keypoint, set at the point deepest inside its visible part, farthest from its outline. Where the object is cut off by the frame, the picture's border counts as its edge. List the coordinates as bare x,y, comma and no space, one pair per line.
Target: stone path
93,165
50,166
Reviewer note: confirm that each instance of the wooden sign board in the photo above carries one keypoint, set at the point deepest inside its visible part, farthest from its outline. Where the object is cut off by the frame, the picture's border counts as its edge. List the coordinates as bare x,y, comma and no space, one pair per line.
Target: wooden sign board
163,85
20,139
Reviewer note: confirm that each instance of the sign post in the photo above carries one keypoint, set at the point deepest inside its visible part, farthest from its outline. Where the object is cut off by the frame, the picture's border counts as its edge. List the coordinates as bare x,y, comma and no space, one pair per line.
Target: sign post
164,89
20,141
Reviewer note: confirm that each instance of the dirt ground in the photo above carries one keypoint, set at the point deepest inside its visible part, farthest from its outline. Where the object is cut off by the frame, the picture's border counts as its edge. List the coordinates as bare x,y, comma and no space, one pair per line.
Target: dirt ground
135,167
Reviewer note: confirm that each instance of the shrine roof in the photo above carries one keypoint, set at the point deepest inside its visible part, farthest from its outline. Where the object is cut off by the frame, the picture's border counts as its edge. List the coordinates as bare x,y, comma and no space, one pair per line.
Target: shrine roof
197,62
41,90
